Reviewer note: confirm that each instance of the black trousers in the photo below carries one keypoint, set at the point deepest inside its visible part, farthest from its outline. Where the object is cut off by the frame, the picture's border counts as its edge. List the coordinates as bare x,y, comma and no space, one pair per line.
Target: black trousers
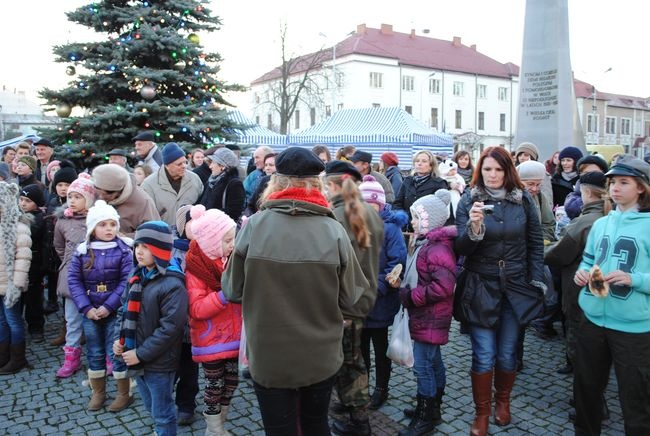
33,303
187,375
597,349
283,410
379,338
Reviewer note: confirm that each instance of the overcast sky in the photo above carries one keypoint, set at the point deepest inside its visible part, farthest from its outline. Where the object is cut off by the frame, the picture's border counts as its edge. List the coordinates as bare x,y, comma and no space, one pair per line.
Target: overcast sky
604,34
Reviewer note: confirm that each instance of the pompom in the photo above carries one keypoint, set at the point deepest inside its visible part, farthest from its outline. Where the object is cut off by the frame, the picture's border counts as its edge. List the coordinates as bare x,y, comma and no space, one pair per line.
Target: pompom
369,178
197,211
100,203
444,196
84,176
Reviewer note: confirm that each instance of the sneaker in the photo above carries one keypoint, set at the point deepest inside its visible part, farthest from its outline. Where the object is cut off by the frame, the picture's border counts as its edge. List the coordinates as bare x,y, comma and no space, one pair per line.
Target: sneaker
185,418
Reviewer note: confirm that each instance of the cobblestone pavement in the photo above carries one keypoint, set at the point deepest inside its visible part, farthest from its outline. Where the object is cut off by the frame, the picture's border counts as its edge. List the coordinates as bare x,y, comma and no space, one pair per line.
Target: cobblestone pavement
35,402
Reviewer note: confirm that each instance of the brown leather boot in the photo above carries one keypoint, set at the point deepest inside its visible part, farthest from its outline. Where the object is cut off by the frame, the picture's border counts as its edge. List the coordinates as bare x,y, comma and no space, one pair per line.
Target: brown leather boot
123,398
503,382
17,360
4,353
482,393
98,385
59,340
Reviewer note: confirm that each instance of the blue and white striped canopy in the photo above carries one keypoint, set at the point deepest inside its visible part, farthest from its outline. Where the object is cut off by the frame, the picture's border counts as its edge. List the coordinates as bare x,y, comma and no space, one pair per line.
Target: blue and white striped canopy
255,134
15,141
375,130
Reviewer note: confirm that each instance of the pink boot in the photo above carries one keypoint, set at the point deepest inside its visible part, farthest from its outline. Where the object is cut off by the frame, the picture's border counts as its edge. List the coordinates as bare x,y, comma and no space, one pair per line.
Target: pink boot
109,366
72,362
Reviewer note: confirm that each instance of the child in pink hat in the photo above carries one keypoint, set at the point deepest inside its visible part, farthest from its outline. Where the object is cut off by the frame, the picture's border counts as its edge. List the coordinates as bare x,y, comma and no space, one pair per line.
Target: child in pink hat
215,323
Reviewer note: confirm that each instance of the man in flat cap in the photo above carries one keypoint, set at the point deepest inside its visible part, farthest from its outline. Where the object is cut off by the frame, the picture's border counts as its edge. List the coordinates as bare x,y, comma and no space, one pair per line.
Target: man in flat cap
147,151
362,160
43,151
117,156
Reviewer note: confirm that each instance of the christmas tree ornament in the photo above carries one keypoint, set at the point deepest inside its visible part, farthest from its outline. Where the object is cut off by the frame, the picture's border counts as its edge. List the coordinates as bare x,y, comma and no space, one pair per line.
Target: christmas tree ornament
193,38
180,65
63,110
70,70
148,92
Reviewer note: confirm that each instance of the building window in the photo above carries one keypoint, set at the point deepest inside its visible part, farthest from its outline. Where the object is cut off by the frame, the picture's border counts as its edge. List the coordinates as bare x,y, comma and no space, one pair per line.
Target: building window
376,105
434,86
503,94
269,121
625,126
434,117
481,91
610,125
312,116
328,111
409,109
257,98
502,122
481,120
296,120
376,80
408,83
592,123
459,119
458,89
257,119
339,106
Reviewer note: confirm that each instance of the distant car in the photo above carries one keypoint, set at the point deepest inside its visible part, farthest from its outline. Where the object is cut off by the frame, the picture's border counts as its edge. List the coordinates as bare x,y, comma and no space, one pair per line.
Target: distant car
606,151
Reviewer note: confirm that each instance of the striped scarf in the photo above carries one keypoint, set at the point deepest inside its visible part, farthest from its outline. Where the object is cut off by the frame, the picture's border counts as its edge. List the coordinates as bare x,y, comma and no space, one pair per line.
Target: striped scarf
132,311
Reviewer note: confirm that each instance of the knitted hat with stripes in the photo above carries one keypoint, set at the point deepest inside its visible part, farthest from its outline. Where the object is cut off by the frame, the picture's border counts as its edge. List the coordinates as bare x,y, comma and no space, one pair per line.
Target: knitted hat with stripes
157,237
372,191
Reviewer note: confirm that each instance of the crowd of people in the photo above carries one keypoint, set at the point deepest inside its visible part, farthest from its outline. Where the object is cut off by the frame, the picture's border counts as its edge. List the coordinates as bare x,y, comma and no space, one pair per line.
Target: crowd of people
307,260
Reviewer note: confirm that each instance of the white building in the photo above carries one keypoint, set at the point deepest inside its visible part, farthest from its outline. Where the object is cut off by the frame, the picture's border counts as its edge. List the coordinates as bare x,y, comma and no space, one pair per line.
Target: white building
445,84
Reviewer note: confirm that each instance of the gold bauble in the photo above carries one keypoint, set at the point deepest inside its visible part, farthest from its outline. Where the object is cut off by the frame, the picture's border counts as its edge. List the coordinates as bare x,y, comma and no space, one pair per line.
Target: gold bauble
194,38
63,110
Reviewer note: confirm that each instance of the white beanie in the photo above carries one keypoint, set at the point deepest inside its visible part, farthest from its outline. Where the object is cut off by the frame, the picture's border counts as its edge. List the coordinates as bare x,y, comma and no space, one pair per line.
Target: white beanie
101,211
432,211
531,170
447,166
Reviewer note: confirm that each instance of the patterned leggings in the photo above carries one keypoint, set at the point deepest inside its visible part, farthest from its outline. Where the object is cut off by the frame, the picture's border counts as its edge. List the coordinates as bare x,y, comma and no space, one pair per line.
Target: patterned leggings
221,378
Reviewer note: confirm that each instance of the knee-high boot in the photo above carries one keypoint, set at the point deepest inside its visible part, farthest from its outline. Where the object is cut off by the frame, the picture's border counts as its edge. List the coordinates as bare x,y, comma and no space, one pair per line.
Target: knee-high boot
503,382
482,393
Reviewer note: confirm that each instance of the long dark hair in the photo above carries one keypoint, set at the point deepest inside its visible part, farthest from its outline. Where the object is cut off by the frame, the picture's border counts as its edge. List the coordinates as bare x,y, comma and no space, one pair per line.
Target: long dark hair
463,153
511,178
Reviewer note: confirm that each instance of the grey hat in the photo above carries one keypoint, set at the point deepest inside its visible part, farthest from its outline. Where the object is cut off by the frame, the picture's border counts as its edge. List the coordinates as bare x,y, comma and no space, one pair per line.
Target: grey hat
531,170
225,157
144,136
116,152
528,147
628,165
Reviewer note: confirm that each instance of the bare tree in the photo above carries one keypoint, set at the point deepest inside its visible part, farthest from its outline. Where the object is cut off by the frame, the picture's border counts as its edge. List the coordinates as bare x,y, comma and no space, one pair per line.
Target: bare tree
297,79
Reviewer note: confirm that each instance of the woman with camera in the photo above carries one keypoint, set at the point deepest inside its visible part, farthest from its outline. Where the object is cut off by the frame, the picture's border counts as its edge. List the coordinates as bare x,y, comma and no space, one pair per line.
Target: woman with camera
501,286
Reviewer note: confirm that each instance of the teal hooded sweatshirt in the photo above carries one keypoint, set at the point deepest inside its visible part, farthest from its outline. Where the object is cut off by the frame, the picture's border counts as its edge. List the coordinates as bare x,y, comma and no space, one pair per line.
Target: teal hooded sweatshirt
620,241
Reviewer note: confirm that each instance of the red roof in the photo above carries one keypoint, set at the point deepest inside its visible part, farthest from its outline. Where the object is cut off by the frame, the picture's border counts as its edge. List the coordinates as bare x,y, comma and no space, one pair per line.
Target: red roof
412,50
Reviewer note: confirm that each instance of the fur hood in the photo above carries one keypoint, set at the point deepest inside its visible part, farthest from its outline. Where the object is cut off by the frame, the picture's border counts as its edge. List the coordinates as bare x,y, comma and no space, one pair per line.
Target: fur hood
480,194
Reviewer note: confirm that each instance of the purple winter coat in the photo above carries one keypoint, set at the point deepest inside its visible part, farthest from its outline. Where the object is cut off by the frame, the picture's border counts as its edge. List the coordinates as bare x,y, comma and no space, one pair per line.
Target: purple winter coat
430,303
111,267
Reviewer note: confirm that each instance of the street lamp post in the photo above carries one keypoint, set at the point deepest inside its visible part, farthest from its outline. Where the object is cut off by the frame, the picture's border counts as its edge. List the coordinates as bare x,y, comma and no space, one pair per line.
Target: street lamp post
334,84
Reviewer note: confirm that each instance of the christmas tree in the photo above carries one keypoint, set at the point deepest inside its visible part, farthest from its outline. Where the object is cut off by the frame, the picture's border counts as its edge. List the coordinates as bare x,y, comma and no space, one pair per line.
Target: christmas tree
149,73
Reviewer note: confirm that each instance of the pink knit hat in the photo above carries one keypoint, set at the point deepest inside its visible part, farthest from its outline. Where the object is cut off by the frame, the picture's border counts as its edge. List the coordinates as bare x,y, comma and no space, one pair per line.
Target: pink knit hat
209,228
84,186
372,191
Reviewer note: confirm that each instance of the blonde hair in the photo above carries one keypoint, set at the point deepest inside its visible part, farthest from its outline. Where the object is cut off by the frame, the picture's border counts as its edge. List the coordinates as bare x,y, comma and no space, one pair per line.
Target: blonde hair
598,192
432,160
279,182
355,212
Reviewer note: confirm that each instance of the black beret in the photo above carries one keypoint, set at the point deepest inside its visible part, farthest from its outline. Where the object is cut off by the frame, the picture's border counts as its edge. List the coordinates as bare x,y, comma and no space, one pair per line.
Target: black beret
144,136
594,178
340,167
362,156
116,152
595,160
45,142
298,162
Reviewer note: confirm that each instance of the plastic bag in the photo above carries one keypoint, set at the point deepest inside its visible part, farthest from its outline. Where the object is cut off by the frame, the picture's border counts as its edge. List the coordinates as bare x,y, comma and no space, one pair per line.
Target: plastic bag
243,359
400,346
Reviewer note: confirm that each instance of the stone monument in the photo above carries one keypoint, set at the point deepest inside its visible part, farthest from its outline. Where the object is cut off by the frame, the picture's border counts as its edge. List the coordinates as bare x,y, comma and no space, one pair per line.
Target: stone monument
547,113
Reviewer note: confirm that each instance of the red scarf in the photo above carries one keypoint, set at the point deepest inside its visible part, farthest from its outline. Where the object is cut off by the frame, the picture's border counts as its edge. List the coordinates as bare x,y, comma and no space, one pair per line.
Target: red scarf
301,194
203,267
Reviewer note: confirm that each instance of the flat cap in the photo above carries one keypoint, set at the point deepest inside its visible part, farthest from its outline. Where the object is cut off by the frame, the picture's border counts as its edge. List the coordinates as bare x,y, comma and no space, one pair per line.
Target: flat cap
340,167
144,136
361,156
116,152
298,162
628,165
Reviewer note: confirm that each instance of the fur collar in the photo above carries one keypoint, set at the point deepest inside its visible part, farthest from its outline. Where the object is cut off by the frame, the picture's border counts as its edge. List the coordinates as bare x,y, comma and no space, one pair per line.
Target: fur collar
479,194
123,242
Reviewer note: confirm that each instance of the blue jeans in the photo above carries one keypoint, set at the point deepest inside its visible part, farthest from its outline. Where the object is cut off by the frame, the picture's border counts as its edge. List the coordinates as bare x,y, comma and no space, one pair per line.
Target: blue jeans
156,390
496,345
12,328
429,368
283,410
100,336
